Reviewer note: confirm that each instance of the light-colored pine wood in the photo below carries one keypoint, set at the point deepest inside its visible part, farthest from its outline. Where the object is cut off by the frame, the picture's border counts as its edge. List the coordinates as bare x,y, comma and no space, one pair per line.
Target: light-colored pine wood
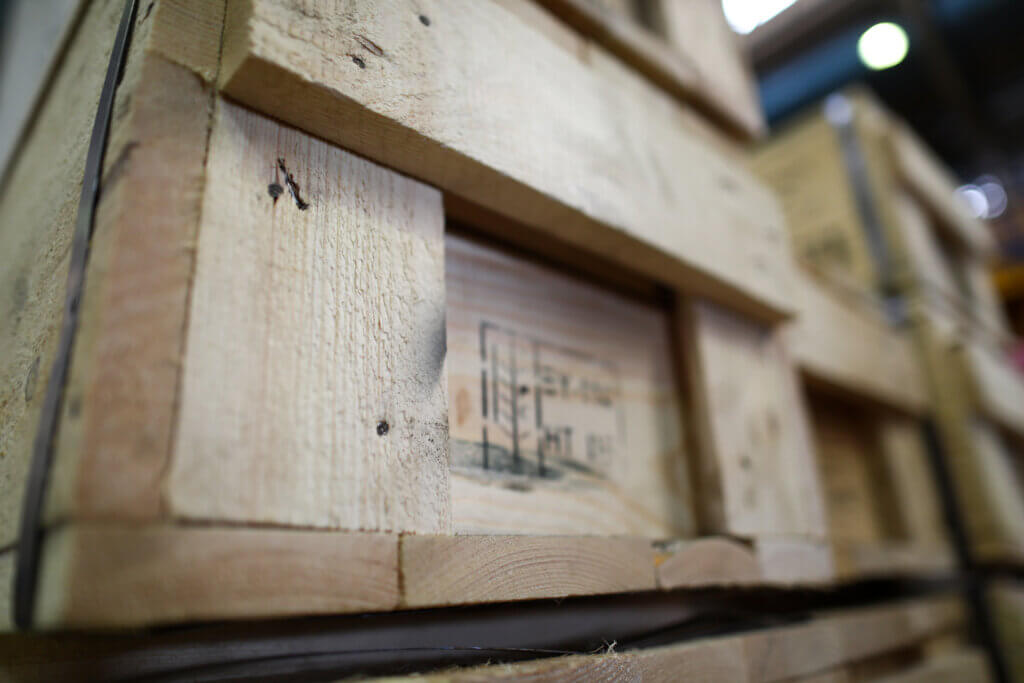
905,463
315,386
968,666
565,412
752,422
1006,603
707,561
857,502
845,341
455,570
427,100
804,165
933,184
997,384
116,431
38,205
97,575
791,561
698,30
682,67
8,557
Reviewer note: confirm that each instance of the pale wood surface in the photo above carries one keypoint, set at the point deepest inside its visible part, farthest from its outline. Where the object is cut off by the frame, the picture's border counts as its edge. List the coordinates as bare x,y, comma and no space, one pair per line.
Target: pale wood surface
640,190
315,389
565,414
969,666
96,575
997,384
1001,484
710,73
845,341
751,417
807,652
7,560
698,30
448,570
705,562
794,561
38,205
1006,601
803,163
116,431
934,184
916,500
856,497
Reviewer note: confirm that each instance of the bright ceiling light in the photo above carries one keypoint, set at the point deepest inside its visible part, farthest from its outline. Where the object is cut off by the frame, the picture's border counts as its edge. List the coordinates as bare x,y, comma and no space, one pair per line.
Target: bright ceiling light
746,15
975,198
883,46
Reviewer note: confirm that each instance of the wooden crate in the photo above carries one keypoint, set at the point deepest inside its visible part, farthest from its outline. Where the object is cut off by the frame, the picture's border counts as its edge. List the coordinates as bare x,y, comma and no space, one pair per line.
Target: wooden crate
525,345
914,240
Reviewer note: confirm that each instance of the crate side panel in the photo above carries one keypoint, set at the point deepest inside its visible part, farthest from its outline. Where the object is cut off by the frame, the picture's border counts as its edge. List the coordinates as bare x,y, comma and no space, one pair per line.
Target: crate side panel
315,385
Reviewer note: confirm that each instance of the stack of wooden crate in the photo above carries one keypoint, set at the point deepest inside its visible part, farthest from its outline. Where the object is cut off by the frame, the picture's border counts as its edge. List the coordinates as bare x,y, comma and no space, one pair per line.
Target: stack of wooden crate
871,206
402,305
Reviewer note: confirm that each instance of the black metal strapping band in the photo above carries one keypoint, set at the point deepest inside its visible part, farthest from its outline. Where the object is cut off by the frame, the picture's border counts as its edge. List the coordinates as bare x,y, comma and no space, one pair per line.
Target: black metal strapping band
30,534
867,208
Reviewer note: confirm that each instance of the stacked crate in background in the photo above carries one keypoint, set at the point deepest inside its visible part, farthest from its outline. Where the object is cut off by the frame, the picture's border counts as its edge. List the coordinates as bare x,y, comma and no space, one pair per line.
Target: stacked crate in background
402,305
868,204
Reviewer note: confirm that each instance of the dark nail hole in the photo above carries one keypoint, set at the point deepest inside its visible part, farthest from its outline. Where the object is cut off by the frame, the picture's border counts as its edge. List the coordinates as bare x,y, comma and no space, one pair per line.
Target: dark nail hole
425,20
359,62
383,427
275,191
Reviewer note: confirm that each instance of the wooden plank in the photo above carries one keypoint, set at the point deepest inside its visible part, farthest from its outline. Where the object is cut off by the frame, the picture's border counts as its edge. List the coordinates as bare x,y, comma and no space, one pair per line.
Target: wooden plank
707,562
97,575
758,459
566,414
862,561
8,557
38,203
116,431
654,197
1006,602
856,498
916,500
845,342
698,30
459,570
999,488
969,666
314,391
934,185
805,167
682,67
998,386
789,561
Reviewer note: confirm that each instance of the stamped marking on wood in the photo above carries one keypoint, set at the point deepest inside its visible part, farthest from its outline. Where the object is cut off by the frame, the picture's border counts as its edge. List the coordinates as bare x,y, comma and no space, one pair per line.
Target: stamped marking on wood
548,411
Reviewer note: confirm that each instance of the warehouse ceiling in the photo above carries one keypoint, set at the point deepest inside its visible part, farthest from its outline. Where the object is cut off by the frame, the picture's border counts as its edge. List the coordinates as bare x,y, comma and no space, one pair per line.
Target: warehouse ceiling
961,85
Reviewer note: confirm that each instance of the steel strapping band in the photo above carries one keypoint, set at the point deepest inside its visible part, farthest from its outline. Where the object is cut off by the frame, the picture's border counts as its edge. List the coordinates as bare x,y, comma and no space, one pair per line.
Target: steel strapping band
30,534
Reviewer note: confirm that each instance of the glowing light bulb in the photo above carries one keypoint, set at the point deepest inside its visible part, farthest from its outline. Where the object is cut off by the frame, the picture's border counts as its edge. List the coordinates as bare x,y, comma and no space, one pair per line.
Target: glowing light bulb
883,46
